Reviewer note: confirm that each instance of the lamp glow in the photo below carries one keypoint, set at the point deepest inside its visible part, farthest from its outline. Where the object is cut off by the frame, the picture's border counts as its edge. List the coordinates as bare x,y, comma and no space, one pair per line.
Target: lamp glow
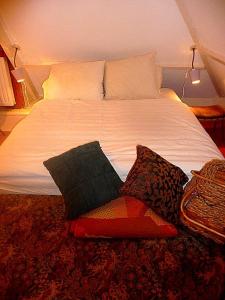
196,82
195,76
19,74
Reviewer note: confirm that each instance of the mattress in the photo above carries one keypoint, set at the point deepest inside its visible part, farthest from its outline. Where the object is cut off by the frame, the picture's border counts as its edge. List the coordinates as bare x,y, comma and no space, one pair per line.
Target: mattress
165,125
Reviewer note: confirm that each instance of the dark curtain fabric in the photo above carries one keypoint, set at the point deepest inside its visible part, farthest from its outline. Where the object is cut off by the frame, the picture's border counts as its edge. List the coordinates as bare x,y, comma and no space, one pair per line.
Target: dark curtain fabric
216,129
212,119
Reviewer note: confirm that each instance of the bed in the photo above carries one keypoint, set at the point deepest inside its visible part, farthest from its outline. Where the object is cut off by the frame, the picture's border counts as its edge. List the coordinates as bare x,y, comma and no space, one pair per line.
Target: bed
120,105
40,259
165,125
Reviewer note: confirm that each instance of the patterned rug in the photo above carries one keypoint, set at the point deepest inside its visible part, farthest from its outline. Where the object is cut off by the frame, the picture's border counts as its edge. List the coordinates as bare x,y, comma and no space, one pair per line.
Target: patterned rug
39,260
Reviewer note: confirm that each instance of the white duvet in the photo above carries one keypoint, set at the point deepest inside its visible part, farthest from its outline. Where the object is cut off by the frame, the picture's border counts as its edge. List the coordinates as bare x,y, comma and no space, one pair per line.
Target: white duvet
166,126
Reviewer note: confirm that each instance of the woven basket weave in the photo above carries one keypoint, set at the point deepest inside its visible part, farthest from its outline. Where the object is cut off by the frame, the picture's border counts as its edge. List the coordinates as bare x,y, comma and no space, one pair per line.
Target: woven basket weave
203,203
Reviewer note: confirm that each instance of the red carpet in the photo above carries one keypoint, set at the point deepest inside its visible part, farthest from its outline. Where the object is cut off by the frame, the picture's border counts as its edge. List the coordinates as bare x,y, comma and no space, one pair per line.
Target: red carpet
40,261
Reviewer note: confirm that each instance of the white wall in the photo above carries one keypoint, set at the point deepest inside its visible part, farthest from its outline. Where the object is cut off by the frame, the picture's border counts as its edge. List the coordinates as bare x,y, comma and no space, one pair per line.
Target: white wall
50,31
57,30
174,78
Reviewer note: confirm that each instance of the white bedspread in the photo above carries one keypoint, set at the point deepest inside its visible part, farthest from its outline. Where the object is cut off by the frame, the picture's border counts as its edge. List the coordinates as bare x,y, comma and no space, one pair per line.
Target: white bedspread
54,126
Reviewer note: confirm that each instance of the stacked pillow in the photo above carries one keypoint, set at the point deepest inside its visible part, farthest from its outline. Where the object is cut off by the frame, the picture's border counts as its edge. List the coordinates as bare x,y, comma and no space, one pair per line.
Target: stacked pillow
87,181
157,182
85,176
78,80
131,78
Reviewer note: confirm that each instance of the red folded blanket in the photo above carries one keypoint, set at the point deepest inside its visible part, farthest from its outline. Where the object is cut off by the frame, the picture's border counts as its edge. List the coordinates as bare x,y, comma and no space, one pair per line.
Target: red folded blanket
122,217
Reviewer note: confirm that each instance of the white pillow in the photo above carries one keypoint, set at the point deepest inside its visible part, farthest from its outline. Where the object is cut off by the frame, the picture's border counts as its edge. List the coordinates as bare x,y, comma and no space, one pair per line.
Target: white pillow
131,78
80,80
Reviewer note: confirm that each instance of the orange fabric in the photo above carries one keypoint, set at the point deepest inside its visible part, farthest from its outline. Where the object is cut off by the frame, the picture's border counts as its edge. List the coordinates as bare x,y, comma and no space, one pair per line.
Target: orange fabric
208,112
121,218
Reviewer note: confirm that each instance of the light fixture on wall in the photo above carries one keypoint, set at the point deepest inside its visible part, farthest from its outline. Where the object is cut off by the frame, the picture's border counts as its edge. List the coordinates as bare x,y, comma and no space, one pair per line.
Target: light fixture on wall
193,73
19,74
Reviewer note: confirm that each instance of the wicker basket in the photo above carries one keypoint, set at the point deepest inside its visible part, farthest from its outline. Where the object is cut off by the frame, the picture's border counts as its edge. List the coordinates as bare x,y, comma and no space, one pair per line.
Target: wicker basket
203,203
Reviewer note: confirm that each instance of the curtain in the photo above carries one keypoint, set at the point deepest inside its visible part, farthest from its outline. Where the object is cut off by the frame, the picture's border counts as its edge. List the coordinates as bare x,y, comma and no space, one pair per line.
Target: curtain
6,91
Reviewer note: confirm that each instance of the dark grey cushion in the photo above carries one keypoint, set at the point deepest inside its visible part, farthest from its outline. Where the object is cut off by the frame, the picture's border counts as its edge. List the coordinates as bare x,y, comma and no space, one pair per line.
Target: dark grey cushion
85,178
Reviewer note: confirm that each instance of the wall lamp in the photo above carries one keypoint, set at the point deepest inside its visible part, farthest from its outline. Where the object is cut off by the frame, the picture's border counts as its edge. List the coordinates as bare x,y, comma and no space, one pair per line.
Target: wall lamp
194,73
19,74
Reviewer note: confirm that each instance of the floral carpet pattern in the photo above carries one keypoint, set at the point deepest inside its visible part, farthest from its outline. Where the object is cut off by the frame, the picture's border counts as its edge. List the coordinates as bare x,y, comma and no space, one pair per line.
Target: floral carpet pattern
40,260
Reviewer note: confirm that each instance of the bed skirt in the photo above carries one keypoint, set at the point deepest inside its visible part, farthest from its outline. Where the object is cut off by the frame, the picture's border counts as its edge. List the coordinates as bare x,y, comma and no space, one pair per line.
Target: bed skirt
40,260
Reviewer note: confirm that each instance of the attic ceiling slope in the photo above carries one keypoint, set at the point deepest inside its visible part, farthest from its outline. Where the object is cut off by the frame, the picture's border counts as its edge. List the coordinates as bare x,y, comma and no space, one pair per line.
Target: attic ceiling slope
52,31
206,22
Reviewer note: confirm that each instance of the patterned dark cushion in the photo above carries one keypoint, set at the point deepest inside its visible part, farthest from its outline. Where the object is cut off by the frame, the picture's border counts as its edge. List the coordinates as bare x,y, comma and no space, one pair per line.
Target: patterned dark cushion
158,182
85,178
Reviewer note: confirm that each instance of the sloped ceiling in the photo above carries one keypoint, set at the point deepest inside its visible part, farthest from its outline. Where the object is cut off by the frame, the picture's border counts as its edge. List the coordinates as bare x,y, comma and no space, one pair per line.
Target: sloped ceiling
49,31
206,22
